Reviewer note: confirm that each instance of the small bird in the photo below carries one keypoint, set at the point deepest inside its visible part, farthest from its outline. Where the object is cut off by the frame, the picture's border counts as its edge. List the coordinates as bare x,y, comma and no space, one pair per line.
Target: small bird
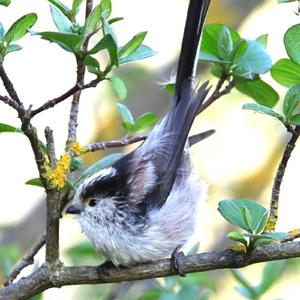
147,203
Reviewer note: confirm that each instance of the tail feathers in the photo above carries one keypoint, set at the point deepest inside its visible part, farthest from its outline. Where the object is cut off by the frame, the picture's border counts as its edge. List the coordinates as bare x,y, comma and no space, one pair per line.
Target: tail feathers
171,137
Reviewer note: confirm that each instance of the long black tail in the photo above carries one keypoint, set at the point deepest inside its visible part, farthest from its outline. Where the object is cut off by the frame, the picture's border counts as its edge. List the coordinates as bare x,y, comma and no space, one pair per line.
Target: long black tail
172,133
190,43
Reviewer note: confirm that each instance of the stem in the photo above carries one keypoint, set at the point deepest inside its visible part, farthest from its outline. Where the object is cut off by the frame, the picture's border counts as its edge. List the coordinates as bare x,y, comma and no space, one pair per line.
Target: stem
272,220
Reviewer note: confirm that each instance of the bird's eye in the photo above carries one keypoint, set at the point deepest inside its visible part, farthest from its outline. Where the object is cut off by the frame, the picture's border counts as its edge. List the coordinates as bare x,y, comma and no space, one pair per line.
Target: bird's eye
92,202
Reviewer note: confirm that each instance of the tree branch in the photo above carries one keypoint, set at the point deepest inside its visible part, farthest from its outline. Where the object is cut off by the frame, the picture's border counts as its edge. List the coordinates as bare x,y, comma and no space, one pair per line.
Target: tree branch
218,93
26,261
9,86
272,220
45,277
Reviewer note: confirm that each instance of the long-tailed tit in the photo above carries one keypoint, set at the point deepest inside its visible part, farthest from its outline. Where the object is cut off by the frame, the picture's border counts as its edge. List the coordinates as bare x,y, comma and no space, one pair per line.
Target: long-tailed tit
147,203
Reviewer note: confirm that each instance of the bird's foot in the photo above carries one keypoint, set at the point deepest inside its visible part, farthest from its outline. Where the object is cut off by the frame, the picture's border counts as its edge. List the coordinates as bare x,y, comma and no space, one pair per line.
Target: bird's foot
176,261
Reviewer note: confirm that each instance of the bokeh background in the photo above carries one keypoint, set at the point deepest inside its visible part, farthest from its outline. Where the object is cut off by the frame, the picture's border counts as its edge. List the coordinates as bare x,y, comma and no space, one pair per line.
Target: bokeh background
238,161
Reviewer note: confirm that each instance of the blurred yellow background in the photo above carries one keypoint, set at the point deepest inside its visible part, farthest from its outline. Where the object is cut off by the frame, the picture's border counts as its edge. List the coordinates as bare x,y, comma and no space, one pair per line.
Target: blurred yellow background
239,160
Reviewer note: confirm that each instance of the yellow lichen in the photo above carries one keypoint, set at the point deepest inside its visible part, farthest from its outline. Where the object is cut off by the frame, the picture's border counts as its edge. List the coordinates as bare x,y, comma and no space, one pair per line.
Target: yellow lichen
294,232
77,149
58,176
238,248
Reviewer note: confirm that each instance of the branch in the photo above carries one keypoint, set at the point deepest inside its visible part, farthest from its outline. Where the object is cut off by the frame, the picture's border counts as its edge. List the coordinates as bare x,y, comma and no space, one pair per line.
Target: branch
76,88
115,143
272,220
218,93
46,277
9,86
26,261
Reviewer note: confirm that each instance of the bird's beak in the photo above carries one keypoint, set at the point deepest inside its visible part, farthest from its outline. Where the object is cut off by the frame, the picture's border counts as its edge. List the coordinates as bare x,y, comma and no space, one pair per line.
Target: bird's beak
73,209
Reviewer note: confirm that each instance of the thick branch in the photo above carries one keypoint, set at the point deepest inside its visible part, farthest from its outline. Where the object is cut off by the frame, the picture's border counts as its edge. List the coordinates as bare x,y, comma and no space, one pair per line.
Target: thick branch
272,220
45,277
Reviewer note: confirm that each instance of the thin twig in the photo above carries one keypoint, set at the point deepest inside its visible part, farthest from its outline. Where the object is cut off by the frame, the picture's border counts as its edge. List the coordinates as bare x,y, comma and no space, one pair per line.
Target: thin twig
76,88
50,147
9,86
47,277
272,220
26,261
292,235
218,93
115,143
10,102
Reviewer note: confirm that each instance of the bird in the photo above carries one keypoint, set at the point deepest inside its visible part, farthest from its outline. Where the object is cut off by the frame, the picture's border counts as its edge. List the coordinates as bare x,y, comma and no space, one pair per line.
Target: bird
146,205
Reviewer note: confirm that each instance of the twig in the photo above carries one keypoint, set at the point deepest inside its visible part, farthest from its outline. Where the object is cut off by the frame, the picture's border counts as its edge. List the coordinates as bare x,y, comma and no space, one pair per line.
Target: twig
217,93
46,277
272,220
292,235
26,261
76,88
11,103
115,143
9,86
50,147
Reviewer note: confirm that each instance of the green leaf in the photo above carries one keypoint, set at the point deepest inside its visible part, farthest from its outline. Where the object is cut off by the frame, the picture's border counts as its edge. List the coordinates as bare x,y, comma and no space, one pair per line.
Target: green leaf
132,45
257,89
295,120
239,50
99,165
261,225
285,1
286,72
207,57
225,43
92,22
12,48
151,294
113,51
35,182
125,113
114,20
19,28
237,237
62,7
291,100
145,121
5,2
210,35
119,86
263,40
105,43
106,8
247,218
75,8
128,127
170,88
271,272
2,32
246,289
263,110
292,43
254,61
8,128
60,20
232,211
141,52
92,64
68,41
